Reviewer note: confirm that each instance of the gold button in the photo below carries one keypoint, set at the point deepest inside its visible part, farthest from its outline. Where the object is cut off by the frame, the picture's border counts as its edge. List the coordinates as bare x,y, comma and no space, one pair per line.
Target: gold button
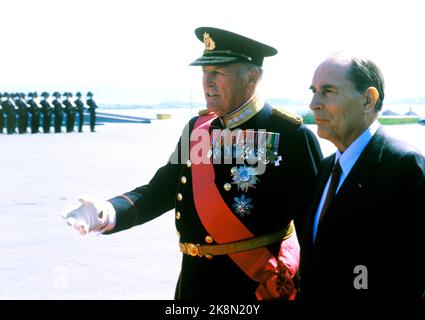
183,179
177,215
189,163
209,239
178,234
179,197
209,257
227,186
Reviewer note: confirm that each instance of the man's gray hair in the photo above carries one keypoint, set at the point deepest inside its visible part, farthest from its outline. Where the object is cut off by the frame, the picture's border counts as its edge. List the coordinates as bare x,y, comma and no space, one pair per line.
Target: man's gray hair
246,68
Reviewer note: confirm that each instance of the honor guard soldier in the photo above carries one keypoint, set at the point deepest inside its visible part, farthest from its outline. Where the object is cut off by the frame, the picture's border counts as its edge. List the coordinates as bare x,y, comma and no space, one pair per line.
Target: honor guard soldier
92,110
1,115
23,110
79,105
46,110
69,112
57,111
242,174
10,111
35,113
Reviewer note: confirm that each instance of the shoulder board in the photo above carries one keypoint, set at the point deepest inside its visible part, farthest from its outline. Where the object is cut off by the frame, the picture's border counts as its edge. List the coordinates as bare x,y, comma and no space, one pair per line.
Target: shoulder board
291,117
203,112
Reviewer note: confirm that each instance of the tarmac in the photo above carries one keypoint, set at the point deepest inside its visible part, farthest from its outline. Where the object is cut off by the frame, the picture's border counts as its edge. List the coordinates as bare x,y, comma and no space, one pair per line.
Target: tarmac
41,257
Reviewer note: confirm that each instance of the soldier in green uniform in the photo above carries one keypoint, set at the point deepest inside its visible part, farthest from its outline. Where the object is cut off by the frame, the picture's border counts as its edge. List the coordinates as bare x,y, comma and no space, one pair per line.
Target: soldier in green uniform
23,110
10,111
34,109
58,111
69,112
79,105
1,116
237,185
92,106
46,110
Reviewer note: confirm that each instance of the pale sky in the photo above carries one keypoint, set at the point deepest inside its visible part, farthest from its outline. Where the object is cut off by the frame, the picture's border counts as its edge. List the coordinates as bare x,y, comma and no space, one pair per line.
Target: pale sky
135,51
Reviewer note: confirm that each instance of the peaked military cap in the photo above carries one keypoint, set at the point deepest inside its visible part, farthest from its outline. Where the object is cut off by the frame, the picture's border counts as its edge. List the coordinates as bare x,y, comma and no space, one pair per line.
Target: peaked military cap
56,94
78,94
89,94
30,95
45,94
225,47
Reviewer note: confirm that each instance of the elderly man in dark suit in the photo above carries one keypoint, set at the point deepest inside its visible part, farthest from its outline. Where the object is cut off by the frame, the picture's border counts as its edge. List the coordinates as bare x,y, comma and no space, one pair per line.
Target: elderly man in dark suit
364,238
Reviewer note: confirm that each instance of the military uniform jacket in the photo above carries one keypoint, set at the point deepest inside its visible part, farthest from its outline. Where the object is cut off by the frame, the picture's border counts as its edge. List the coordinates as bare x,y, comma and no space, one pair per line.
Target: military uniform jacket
46,108
279,195
376,220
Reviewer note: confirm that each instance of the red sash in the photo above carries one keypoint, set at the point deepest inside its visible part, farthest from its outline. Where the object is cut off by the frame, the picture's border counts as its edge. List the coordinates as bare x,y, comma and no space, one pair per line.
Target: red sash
220,222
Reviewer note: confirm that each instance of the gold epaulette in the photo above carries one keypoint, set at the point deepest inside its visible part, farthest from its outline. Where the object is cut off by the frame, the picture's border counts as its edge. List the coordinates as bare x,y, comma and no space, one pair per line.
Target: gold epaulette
285,114
203,112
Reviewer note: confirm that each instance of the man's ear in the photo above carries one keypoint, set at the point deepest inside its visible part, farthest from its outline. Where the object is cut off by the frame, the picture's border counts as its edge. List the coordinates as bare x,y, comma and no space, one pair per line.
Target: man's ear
371,98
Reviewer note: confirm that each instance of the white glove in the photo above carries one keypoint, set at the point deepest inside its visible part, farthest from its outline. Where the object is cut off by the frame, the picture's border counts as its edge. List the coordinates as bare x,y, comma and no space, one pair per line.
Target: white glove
90,215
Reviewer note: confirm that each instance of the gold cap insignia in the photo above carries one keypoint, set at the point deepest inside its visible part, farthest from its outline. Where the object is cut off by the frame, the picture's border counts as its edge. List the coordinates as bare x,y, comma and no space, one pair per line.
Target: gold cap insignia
209,42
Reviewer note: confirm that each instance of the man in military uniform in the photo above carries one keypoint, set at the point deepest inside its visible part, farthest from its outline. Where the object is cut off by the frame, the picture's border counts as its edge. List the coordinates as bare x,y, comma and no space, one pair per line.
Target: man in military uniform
46,110
249,176
23,110
35,113
1,116
69,112
79,106
58,112
92,110
10,110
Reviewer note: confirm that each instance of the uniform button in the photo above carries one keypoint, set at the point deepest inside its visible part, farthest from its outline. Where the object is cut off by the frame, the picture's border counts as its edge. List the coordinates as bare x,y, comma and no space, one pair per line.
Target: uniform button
177,215
209,239
183,179
178,234
179,197
227,186
189,163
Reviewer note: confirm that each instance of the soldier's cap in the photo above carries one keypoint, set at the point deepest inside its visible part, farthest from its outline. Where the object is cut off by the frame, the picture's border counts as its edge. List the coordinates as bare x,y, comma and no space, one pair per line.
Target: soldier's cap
69,94
65,94
224,47
45,94
56,94
78,94
30,95
6,95
89,94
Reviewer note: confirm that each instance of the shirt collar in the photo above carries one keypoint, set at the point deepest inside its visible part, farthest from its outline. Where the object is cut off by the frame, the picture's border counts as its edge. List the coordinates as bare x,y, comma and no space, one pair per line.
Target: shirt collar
243,113
352,153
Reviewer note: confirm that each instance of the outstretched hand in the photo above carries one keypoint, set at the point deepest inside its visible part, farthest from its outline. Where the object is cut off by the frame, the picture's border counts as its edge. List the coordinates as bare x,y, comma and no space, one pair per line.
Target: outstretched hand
87,216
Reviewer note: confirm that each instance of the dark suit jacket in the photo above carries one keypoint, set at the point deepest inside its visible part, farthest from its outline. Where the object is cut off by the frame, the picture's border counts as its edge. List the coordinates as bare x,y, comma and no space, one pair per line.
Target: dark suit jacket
376,220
